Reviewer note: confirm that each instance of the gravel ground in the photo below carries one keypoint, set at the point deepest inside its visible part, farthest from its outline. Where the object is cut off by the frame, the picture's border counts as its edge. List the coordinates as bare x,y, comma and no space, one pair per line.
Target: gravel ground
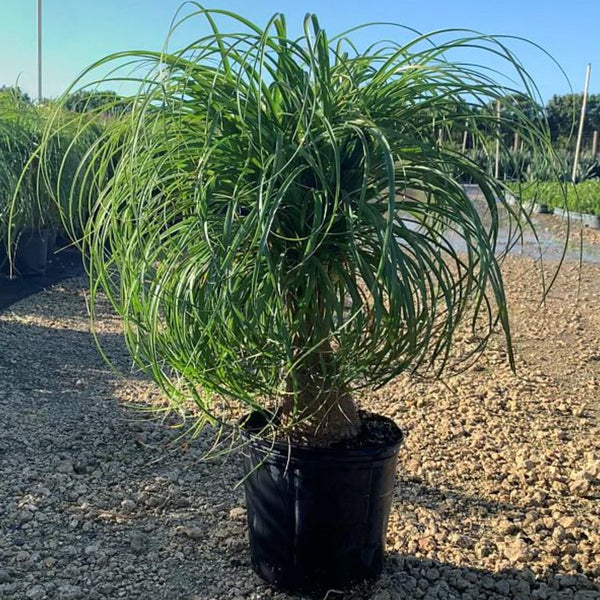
498,482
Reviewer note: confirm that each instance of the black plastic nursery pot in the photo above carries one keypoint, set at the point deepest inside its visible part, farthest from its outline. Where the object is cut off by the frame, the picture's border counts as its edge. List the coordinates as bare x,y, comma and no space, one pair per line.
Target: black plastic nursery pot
537,208
3,257
317,517
31,256
543,209
31,253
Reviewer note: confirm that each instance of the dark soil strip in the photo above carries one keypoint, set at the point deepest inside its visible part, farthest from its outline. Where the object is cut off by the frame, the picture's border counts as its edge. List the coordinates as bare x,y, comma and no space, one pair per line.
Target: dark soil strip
62,265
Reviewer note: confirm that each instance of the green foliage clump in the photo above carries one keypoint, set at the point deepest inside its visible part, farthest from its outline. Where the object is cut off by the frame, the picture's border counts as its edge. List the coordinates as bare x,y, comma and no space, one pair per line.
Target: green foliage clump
29,186
563,115
108,102
580,197
279,212
19,126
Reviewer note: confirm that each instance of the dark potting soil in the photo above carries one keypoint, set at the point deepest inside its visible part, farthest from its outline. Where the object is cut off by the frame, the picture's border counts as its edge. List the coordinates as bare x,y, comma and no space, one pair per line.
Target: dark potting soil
63,264
375,431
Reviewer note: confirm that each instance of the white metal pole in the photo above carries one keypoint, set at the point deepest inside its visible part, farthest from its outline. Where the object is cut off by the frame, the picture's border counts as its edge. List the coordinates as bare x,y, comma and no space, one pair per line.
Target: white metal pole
581,121
39,48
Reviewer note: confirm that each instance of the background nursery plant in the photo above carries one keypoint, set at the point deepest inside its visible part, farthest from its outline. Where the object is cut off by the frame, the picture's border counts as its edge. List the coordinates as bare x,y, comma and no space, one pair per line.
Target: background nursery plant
579,197
30,219
276,231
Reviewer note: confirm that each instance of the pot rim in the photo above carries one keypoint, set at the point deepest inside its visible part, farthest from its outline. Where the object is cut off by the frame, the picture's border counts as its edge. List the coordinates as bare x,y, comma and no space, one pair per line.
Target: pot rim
294,452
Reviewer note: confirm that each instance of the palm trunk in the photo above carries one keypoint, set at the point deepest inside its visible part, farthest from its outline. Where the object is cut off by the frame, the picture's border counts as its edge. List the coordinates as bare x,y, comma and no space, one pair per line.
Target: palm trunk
319,411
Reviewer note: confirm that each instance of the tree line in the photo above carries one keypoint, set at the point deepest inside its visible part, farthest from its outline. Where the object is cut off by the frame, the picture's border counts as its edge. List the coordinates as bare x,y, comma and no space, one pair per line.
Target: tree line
561,111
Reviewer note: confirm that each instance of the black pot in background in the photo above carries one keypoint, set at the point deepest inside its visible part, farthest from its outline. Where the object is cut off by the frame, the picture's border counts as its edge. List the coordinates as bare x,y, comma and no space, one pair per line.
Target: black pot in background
52,237
31,253
62,240
3,258
317,517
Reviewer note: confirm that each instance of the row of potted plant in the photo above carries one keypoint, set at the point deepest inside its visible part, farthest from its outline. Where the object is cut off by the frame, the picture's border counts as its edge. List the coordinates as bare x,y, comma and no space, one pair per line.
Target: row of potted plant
578,200
31,214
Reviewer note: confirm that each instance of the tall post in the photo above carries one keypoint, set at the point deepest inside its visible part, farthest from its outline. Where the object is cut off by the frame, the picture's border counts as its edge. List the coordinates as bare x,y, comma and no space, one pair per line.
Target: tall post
498,133
581,121
516,142
39,48
595,144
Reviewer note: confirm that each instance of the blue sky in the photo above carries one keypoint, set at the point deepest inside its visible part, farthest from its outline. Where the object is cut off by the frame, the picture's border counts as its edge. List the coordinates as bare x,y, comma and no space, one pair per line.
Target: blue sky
78,32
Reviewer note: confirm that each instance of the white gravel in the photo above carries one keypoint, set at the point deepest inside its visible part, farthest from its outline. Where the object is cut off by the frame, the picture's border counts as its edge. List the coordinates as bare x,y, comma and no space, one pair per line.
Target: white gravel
498,483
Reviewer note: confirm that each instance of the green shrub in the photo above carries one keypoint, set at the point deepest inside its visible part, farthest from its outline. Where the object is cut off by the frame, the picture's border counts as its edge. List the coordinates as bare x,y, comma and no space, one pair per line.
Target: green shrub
18,127
28,187
580,197
62,179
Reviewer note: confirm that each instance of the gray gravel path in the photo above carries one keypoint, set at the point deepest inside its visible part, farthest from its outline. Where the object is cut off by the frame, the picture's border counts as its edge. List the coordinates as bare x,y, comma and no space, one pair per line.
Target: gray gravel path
99,503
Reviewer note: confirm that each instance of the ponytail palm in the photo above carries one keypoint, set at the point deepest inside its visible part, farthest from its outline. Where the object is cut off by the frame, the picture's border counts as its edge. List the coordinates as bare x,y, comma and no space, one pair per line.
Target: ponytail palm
278,225
18,128
28,186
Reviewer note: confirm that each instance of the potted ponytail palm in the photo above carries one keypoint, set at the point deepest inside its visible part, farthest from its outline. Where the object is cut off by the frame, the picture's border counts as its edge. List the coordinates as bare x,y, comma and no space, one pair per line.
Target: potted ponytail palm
24,230
276,231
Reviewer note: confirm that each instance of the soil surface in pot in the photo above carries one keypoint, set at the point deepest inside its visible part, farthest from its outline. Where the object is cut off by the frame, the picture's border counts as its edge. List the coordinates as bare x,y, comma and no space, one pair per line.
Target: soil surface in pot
376,431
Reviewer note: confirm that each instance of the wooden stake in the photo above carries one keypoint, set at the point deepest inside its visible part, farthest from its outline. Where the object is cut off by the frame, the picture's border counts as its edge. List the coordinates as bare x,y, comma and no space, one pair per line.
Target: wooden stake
497,164
516,142
595,144
581,121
